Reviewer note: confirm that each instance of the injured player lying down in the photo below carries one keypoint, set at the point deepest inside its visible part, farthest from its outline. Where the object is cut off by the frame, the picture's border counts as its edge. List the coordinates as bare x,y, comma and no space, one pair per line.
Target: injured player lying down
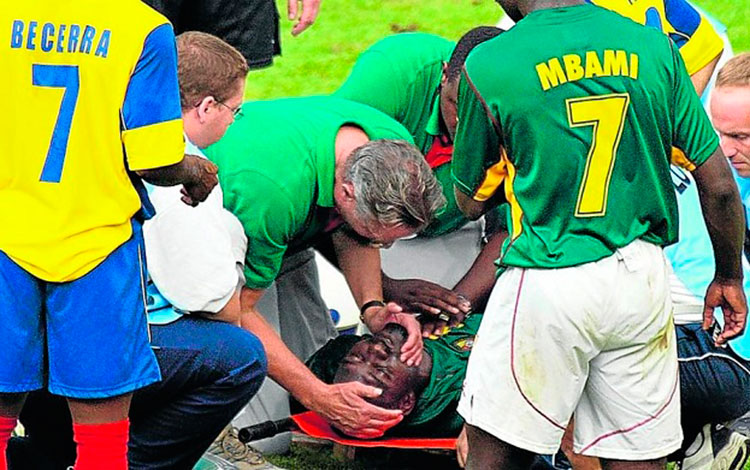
428,394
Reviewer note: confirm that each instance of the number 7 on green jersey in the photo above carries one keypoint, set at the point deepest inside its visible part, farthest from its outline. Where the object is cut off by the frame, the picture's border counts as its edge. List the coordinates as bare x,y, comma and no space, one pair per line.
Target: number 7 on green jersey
606,114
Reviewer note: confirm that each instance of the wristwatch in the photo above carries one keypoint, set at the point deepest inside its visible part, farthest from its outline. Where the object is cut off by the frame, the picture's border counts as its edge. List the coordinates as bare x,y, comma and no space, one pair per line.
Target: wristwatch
367,305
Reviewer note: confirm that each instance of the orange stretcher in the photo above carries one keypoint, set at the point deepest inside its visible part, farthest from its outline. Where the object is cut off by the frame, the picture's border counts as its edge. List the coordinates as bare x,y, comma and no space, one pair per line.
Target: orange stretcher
311,424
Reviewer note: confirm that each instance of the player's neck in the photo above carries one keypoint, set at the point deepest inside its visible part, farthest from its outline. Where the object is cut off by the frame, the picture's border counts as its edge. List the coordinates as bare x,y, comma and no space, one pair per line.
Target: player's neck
534,5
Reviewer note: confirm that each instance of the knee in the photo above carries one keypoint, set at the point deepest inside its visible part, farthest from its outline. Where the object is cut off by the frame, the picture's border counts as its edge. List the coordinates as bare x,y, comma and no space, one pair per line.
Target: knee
247,363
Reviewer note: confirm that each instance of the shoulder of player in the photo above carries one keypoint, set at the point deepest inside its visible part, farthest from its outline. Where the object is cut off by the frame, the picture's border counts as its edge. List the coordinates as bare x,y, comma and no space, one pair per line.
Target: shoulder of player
419,41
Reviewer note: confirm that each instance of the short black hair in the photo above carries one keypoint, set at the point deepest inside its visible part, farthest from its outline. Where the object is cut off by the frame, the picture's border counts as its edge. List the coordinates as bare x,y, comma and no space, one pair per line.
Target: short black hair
466,44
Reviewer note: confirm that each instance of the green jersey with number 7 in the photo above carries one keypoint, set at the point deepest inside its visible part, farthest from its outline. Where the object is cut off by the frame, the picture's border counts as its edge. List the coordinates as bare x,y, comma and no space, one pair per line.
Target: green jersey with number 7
578,125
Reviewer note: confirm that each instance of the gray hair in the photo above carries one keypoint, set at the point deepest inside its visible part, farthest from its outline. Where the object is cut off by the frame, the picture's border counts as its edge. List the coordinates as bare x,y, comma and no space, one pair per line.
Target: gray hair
393,184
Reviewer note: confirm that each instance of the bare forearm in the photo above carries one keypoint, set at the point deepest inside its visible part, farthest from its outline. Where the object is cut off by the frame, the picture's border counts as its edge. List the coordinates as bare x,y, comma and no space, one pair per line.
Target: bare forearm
187,170
701,78
477,284
472,209
361,268
230,313
283,366
723,214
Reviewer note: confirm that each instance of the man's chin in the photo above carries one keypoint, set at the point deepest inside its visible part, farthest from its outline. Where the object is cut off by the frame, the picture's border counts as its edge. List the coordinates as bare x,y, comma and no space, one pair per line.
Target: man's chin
742,169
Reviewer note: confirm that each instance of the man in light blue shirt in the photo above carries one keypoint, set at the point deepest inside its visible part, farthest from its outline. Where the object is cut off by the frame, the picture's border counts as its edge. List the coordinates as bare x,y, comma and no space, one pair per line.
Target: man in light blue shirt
715,382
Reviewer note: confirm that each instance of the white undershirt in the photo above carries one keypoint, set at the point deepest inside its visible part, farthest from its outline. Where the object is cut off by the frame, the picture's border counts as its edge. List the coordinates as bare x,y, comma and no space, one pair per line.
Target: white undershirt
194,255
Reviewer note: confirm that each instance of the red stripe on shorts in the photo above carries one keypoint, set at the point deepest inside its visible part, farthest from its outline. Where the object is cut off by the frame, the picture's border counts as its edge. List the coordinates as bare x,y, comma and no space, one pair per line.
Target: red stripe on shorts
513,355
636,426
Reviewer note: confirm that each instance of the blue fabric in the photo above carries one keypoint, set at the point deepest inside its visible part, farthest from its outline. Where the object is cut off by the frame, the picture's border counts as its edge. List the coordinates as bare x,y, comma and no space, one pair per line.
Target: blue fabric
683,17
153,94
714,382
692,257
210,370
95,328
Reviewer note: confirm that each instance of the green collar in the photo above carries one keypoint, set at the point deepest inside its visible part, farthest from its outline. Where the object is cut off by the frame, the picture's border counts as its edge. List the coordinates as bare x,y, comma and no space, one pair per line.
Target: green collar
433,123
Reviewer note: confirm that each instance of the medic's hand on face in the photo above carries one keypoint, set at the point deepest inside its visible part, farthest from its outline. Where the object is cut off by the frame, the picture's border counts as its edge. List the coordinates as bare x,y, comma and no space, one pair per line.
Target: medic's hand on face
375,362
346,408
378,317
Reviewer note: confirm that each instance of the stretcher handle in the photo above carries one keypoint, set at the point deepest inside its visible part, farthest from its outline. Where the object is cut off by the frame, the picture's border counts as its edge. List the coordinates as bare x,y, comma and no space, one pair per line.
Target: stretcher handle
265,429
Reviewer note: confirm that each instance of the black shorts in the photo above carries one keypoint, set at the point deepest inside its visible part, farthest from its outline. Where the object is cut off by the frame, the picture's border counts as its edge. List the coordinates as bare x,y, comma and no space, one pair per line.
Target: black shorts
251,26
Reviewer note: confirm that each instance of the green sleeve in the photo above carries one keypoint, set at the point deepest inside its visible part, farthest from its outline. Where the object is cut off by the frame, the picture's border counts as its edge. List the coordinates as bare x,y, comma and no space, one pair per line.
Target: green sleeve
693,133
267,214
372,82
476,146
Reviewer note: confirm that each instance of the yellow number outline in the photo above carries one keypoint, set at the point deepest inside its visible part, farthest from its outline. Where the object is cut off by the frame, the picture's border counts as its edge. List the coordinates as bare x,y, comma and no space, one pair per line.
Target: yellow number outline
606,114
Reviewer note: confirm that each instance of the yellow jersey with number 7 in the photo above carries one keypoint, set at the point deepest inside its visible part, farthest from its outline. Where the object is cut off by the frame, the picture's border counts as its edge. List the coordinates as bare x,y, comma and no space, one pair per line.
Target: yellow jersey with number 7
91,95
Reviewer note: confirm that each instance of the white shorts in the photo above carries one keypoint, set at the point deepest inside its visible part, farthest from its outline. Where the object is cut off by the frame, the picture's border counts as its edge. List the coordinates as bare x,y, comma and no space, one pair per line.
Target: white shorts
596,340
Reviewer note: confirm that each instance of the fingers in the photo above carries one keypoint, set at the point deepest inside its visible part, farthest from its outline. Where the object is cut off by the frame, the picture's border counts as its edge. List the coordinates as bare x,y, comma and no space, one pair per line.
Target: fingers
411,351
424,308
393,308
186,198
372,427
291,8
365,391
708,317
462,448
310,10
734,325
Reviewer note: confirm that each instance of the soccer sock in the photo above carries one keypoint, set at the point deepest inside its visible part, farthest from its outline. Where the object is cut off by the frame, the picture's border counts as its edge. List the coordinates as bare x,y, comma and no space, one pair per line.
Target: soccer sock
7,425
102,446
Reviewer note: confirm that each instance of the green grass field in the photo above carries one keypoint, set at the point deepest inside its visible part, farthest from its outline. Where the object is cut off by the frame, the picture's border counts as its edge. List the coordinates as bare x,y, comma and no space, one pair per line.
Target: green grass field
319,60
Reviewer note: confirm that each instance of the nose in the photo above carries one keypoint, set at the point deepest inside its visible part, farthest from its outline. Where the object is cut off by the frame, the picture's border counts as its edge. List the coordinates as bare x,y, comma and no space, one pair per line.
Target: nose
378,351
727,146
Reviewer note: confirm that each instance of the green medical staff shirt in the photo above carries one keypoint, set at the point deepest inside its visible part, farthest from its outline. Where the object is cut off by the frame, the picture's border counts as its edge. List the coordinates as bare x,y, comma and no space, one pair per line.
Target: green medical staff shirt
400,75
276,169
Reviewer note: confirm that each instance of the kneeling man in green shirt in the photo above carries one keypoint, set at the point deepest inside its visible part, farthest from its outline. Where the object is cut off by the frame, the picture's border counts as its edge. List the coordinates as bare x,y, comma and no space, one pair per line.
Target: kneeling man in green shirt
295,169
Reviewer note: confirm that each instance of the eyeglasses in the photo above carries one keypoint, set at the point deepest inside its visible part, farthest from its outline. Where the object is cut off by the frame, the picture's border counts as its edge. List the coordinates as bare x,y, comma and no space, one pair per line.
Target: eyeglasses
362,240
236,112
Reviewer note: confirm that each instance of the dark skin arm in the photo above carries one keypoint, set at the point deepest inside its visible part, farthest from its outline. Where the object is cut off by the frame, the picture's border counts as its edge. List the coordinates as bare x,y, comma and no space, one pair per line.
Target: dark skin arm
725,221
196,174
480,279
475,286
472,209
701,78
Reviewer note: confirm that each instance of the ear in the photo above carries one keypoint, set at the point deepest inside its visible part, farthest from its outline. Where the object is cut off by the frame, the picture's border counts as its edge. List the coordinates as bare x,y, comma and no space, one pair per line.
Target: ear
347,189
407,402
444,76
205,106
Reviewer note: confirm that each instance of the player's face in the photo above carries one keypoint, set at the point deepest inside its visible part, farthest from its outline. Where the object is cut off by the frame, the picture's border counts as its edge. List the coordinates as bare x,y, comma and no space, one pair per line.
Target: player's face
376,362
448,108
730,113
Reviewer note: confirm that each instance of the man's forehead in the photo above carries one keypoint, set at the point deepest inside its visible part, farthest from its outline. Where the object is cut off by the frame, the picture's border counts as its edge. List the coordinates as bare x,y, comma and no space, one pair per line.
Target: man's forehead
730,109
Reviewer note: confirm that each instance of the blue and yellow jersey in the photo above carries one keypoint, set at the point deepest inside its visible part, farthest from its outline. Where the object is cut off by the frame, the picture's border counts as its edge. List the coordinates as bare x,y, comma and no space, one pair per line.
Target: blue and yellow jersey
699,43
91,93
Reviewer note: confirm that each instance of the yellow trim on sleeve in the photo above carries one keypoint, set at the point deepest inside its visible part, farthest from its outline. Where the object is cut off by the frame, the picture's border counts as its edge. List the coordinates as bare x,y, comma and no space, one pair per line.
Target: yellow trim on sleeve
502,171
493,178
703,47
154,146
680,159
